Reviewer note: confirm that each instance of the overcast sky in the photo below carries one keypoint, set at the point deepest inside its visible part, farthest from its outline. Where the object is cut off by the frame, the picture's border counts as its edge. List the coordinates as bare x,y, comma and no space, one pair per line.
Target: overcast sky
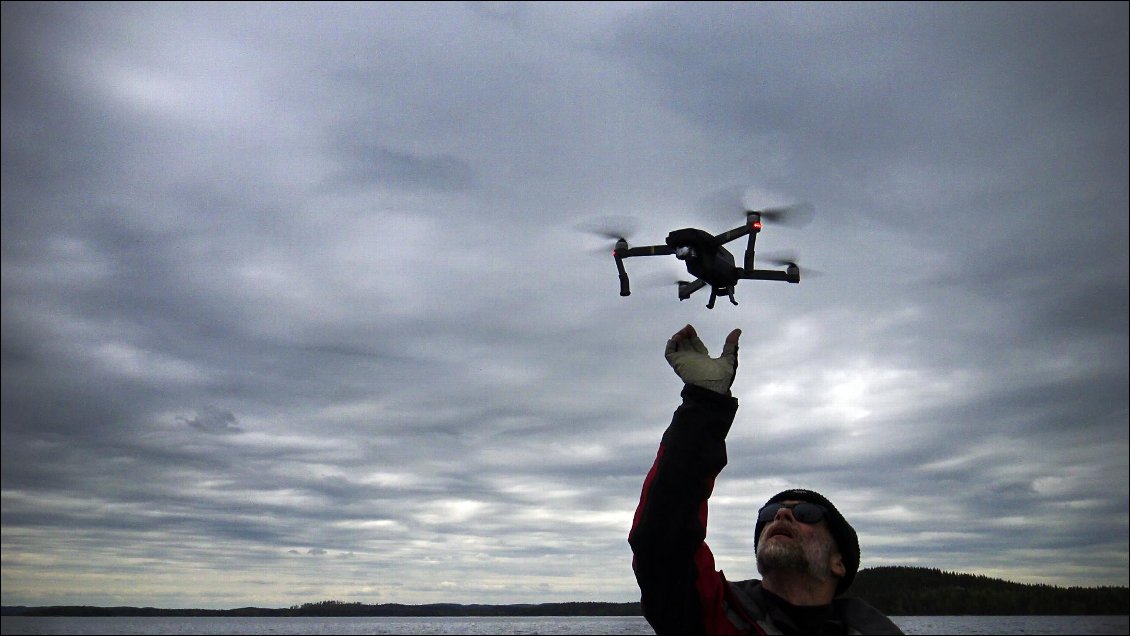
298,302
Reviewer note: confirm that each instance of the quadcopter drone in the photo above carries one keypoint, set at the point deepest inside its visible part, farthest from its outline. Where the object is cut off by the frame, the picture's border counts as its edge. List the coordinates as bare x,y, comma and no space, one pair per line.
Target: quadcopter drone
708,261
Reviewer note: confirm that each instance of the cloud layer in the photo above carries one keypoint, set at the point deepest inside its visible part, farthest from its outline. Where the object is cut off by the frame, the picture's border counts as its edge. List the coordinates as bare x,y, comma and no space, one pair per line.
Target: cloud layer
296,305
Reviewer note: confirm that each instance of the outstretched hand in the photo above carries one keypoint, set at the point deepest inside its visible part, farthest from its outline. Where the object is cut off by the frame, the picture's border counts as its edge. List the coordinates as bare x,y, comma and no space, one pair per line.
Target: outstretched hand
691,360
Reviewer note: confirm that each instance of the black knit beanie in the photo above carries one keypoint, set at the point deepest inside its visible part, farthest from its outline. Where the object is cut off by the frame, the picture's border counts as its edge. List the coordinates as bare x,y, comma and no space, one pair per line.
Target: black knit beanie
842,532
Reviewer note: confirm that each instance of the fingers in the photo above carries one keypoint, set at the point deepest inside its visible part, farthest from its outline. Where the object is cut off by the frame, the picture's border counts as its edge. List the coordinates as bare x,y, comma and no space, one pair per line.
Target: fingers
732,339
685,338
731,346
685,332
689,334
673,342
699,347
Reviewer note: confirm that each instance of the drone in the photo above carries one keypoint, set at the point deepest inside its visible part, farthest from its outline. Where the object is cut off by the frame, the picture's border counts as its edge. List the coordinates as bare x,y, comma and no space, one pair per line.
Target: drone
709,261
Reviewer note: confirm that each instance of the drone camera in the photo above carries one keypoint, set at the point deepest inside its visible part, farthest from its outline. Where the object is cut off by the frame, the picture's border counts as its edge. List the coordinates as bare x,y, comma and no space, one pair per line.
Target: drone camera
684,252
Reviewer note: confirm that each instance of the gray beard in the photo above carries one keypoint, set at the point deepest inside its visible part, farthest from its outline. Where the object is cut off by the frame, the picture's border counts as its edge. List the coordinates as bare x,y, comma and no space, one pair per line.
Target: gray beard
805,558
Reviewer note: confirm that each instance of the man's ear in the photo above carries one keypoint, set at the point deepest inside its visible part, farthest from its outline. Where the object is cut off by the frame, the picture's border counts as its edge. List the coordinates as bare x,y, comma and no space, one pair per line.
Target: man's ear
837,565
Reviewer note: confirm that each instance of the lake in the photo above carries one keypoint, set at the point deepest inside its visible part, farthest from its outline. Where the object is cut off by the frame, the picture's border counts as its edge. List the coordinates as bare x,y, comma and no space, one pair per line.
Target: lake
516,625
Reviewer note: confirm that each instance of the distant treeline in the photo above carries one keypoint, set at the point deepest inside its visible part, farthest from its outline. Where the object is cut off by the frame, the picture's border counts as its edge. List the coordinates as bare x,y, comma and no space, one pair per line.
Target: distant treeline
906,591
897,591
340,608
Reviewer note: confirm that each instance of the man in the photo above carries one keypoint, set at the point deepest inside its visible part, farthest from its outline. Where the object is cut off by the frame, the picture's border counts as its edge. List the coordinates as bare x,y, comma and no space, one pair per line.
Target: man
807,553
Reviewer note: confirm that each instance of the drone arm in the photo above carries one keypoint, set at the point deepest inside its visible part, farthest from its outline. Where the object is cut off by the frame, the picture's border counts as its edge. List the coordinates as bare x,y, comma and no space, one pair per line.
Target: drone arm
735,233
751,228
648,250
686,289
789,275
622,251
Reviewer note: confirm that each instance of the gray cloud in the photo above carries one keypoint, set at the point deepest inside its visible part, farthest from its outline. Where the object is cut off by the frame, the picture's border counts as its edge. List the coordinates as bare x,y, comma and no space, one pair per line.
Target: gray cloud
376,165
213,421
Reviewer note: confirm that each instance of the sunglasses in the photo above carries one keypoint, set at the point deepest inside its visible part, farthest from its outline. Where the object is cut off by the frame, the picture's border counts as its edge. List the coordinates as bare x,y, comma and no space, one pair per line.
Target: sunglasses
803,512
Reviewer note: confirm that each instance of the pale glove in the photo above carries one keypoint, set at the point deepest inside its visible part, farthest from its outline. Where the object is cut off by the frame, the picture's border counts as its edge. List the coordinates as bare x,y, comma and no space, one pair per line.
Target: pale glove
691,361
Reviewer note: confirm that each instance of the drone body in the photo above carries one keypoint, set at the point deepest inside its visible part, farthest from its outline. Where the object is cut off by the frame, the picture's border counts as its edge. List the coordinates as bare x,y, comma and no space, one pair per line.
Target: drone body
708,260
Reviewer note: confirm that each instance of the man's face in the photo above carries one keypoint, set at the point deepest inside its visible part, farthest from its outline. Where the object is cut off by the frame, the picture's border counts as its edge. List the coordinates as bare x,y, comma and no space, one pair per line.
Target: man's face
787,544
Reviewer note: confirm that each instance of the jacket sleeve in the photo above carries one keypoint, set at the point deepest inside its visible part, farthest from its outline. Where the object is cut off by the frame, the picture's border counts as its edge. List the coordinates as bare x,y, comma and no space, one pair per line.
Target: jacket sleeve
681,590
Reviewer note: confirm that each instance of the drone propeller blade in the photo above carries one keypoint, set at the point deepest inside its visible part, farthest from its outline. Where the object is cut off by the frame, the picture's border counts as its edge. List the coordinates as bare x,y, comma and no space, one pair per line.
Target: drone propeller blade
602,251
658,280
737,201
778,257
613,228
808,272
797,215
728,203
784,259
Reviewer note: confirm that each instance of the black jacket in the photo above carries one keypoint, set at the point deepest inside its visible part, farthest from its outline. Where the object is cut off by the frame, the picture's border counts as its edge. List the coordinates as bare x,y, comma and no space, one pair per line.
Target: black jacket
682,592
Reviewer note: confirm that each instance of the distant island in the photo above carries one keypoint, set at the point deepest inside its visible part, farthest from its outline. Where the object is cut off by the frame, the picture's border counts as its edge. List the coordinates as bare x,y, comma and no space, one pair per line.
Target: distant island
897,591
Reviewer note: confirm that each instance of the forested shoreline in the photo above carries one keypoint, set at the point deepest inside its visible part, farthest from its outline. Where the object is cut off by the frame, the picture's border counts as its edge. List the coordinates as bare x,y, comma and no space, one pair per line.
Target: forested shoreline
907,591
897,591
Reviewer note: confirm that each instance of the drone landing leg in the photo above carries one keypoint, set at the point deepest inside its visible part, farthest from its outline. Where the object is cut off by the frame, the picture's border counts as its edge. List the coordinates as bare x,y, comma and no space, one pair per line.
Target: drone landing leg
713,297
732,297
